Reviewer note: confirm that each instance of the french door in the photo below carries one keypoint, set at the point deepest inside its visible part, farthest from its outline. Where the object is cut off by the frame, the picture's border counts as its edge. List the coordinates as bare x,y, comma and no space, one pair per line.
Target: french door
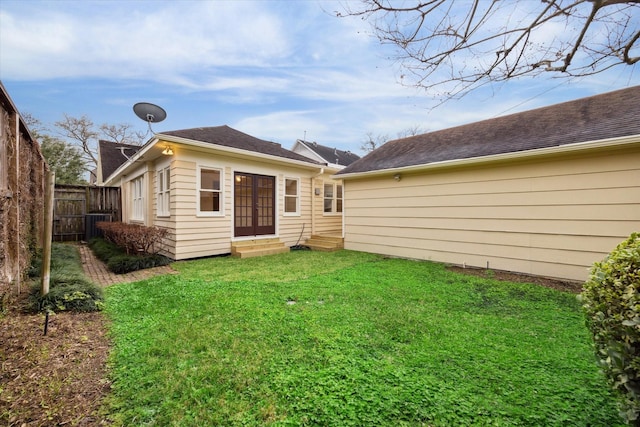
254,204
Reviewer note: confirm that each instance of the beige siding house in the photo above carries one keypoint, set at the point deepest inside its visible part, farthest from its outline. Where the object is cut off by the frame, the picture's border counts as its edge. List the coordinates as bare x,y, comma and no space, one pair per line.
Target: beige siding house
544,192
215,188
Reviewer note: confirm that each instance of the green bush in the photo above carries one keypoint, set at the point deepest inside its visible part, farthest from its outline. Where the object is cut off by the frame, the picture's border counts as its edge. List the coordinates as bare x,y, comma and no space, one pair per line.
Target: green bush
69,290
64,257
68,293
119,262
611,301
104,250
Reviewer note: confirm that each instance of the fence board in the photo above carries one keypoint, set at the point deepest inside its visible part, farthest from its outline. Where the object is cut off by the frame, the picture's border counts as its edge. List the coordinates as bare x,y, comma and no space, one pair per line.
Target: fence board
74,202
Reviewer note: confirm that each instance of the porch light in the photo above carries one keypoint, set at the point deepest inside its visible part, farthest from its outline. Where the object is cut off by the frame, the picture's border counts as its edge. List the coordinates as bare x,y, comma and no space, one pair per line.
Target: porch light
168,151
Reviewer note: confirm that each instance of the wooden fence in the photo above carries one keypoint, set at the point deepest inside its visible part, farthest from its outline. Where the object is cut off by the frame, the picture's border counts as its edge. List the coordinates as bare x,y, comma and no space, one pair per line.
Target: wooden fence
77,209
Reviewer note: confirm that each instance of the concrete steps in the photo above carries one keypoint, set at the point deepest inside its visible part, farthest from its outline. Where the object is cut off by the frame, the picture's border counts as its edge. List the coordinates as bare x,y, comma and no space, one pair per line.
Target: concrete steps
325,243
257,247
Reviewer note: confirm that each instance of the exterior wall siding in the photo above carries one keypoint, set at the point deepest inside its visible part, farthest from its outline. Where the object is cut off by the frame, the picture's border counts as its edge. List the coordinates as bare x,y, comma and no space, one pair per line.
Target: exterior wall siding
325,223
192,235
551,218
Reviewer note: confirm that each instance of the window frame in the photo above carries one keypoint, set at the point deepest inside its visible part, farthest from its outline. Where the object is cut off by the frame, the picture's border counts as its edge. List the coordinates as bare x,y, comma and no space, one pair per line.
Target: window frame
337,201
286,196
199,189
137,199
163,193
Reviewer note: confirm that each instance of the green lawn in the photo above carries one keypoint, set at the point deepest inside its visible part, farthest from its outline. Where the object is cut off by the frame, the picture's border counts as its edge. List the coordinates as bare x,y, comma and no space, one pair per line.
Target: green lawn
348,338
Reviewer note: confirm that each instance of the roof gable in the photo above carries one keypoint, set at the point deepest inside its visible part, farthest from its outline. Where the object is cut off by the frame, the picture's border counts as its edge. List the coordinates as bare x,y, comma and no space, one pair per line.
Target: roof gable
113,155
605,116
229,137
330,155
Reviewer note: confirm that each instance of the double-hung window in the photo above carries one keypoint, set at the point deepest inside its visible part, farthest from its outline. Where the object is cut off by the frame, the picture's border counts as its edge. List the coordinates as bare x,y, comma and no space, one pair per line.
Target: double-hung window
209,191
137,187
291,196
164,191
332,198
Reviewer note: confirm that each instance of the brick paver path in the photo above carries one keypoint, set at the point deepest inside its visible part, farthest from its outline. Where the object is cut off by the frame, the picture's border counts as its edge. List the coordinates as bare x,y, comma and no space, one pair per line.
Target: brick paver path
98,273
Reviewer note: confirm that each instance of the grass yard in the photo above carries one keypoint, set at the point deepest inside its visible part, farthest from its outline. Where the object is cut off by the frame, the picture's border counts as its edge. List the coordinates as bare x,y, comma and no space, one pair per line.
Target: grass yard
347,338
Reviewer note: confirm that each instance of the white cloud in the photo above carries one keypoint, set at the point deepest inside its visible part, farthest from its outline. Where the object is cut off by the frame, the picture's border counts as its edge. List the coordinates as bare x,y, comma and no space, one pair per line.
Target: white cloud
138,40
273,69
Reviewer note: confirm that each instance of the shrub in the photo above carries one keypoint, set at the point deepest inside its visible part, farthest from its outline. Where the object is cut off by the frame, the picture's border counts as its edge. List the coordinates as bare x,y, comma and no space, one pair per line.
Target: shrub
68,293
69,290
64,257
104,250
611,301
133,238
119,262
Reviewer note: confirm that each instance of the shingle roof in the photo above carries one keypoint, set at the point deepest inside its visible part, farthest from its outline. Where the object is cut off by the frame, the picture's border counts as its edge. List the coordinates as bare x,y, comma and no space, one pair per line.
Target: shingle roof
229,137
112,157
331,155
610,115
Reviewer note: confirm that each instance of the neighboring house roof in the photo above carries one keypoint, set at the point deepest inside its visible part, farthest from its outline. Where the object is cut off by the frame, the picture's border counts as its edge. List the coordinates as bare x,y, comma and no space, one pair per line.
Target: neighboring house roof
610,115
229,137
113,155
327,154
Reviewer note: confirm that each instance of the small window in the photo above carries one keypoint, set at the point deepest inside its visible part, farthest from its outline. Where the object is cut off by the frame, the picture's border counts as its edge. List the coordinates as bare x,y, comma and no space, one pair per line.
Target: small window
137,194
164,192
332,198
291,196
210,193
328,198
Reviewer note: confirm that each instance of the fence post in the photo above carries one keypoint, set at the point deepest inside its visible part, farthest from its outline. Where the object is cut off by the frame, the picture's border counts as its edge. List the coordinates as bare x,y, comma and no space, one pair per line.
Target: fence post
48,231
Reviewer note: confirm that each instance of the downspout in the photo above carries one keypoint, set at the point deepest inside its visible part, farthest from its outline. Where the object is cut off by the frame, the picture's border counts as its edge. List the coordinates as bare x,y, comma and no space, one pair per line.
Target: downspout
150,175
313,201
344,192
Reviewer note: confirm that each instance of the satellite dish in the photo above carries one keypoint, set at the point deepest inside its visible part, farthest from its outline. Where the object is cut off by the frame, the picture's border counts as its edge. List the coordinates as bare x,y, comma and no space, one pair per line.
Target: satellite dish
150,113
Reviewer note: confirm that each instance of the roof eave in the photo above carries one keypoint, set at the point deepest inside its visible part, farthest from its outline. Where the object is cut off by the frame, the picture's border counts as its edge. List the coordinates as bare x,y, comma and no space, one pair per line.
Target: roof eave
205,145
111,179
518,155
236,151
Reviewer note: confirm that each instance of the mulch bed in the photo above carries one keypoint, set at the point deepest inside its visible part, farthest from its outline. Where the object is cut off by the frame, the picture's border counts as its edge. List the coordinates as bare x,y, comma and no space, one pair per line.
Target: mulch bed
53,380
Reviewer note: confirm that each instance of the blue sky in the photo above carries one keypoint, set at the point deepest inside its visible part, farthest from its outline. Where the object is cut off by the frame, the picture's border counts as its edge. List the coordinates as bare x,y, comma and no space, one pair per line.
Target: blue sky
278,70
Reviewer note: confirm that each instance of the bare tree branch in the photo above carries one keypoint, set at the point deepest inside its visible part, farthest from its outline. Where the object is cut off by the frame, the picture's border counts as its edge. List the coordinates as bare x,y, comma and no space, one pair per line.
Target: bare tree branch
122,133
459,47
81,131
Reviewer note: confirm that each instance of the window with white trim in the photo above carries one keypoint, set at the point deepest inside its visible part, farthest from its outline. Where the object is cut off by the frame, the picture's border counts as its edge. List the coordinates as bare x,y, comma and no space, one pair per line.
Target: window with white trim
164,191
332,198
209,191
137,194
291,196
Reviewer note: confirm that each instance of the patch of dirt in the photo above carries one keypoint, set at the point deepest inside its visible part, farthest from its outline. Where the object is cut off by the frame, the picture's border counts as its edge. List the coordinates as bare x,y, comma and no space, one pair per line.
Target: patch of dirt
53,380
560,285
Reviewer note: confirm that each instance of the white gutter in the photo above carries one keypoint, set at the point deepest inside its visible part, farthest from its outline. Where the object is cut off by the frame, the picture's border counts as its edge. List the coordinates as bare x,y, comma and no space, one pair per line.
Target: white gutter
619,142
